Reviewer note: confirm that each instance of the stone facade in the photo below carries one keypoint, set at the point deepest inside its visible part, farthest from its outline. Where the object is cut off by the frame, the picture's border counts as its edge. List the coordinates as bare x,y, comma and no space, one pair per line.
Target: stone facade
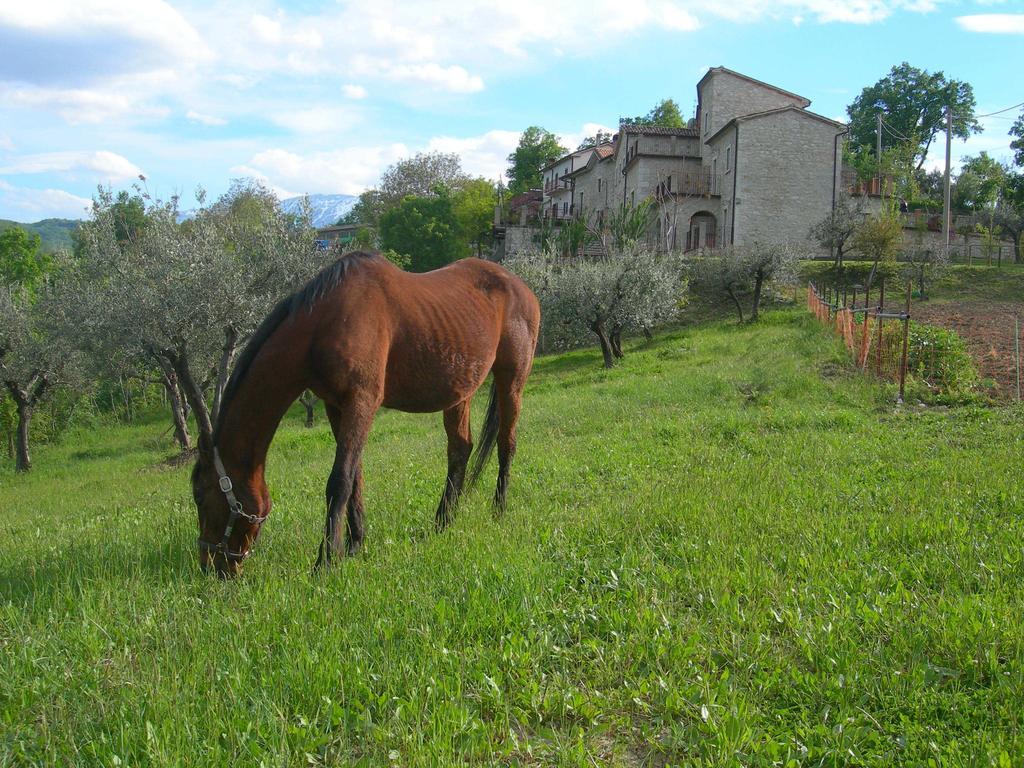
753,165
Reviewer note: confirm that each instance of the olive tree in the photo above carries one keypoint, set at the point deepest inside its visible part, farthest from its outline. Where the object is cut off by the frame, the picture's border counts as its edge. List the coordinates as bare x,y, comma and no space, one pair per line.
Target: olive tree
33,361
186,296
740,270
629,288
836,231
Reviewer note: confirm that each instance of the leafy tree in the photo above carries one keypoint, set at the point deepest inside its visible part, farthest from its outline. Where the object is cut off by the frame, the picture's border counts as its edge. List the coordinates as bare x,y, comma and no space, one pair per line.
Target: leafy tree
980,183
631,288
21,262
184,297
913,104
1017,145
473,206
33,359
426,174
601,137
425,229
835,232
738,270
878,240
665,114
537,148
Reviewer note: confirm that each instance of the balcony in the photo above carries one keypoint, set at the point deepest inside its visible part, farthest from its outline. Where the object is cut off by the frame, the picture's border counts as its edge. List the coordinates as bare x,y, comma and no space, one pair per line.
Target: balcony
689,184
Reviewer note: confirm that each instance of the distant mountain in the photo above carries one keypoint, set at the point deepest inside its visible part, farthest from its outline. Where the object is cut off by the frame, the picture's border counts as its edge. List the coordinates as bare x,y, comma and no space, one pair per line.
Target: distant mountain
55,234
326,209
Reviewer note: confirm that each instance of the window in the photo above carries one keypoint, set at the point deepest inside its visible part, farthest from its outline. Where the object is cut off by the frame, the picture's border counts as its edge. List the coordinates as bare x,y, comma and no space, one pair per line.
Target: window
728,158
707,121
598,185
669,183
714,167
565,207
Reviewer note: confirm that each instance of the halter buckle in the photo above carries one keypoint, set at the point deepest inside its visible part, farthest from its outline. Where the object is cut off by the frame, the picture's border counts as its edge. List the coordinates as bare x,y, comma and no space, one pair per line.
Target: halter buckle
225,484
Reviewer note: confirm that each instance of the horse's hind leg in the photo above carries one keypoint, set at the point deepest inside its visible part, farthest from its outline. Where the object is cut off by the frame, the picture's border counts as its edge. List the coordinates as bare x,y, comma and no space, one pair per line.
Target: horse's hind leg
460,446
509,386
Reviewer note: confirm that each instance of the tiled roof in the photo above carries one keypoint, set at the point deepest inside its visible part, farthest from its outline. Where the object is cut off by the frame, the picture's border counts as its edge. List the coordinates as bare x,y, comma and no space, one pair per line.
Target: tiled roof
657,130
605,150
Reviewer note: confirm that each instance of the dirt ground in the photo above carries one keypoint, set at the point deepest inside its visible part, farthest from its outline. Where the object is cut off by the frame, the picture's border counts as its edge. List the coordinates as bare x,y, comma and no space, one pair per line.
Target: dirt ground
988,329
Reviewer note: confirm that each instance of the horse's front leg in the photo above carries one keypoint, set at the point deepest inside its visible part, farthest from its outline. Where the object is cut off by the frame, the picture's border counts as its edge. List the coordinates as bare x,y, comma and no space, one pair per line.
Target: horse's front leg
344,485
460,446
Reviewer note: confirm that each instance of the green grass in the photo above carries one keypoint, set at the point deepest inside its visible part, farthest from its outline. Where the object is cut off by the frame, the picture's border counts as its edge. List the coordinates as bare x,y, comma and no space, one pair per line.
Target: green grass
729,550
958,282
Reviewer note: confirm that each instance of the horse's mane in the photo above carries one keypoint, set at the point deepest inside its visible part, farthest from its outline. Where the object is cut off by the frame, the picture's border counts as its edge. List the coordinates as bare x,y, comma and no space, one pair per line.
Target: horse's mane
303,299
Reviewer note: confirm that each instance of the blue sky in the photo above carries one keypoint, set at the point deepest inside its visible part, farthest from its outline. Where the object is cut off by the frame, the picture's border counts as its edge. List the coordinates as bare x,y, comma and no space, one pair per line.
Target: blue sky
321,96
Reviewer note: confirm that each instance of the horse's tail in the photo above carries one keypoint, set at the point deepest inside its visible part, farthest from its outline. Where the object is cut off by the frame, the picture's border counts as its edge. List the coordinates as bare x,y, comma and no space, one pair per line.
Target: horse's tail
488,436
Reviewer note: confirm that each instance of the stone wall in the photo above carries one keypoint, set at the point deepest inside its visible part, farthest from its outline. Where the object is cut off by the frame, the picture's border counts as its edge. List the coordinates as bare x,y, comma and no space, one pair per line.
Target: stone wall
785,166
724,96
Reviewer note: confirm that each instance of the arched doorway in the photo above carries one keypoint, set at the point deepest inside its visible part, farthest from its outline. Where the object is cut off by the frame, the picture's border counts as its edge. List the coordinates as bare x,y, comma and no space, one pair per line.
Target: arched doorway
702,231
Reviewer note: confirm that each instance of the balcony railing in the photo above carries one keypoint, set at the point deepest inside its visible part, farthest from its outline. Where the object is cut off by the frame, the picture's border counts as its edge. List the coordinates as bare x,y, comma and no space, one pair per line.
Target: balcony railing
692,183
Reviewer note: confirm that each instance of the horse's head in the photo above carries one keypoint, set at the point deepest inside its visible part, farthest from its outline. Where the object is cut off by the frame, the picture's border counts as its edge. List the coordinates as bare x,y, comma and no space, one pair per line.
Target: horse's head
230,515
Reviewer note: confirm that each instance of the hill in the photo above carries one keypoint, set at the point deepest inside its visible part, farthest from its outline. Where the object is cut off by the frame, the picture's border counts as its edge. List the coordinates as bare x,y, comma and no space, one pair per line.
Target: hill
325,210
55,234
731,549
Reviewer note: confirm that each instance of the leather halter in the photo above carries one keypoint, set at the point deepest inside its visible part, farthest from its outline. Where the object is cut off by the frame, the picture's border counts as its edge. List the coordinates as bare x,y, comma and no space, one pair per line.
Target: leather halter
236,511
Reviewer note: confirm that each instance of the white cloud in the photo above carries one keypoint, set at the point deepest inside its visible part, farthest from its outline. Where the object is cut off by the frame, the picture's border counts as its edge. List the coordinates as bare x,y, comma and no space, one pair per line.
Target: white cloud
27,204
484,155
354,91
6,143
66,42
317,120
204,119
588,130
104,165
347,171
993,23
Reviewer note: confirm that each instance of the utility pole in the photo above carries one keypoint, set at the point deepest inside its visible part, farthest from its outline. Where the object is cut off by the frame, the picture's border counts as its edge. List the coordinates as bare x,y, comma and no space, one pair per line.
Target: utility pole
878,151
947,213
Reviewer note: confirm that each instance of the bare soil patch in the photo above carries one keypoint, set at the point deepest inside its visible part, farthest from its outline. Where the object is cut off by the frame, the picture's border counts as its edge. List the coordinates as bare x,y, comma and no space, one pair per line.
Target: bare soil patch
988,329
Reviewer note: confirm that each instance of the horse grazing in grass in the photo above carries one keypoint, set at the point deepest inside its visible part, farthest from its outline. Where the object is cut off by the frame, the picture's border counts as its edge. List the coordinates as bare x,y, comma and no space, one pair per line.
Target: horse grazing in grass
364,334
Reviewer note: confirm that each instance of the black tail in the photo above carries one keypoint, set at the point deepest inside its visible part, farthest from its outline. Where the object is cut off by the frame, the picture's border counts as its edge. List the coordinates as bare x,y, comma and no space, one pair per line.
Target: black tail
488,436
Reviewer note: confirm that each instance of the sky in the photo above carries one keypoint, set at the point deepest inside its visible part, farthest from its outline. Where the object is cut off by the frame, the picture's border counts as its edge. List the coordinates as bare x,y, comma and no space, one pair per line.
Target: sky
320,97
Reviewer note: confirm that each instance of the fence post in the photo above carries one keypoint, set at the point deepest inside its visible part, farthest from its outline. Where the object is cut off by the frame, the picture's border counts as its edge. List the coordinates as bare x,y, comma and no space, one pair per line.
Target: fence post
865,340
881,320
906,343
1016,344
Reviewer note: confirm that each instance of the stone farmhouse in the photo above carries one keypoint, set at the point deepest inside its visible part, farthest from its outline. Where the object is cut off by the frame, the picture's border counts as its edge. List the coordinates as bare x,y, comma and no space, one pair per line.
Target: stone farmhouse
754,164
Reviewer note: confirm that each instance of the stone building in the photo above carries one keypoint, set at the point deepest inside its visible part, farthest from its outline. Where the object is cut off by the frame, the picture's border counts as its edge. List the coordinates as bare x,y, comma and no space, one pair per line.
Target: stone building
754,164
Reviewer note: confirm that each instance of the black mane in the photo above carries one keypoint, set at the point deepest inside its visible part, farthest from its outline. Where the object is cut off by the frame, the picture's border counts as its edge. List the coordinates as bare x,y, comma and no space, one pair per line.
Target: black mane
303,299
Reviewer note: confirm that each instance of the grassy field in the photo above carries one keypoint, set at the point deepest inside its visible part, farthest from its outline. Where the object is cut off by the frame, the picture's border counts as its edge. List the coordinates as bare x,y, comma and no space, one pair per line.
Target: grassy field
729,550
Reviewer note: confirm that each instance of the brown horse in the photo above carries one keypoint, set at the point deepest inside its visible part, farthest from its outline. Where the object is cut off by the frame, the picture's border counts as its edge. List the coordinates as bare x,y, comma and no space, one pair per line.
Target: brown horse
361,335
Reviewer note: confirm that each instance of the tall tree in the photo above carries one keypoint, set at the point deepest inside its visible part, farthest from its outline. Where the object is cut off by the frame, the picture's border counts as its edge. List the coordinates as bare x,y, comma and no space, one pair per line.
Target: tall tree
473,206
665,114
913,105
422,175
21,260
537,148
980,183
423,228
1017,145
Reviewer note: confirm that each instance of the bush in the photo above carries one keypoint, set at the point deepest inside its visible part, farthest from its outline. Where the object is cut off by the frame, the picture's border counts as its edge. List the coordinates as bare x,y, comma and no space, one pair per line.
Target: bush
940,369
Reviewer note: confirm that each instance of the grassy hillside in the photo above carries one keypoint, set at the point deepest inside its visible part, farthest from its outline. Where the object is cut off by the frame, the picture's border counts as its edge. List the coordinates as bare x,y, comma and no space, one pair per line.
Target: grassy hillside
728,550
54,233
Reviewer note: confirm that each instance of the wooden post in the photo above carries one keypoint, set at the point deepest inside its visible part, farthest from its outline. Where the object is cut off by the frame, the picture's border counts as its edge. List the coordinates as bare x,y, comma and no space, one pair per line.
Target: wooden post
906,343
881,309
865,342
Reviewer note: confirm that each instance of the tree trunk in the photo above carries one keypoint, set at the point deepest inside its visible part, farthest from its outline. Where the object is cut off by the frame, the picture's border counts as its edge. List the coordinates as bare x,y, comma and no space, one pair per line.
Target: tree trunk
227,354
739,307
647,332
22,460
194,396
308,401
606,345
616,340
179,408
758,285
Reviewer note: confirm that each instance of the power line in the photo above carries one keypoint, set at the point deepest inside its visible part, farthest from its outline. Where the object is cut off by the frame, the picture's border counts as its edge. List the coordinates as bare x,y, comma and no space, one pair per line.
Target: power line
999,112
